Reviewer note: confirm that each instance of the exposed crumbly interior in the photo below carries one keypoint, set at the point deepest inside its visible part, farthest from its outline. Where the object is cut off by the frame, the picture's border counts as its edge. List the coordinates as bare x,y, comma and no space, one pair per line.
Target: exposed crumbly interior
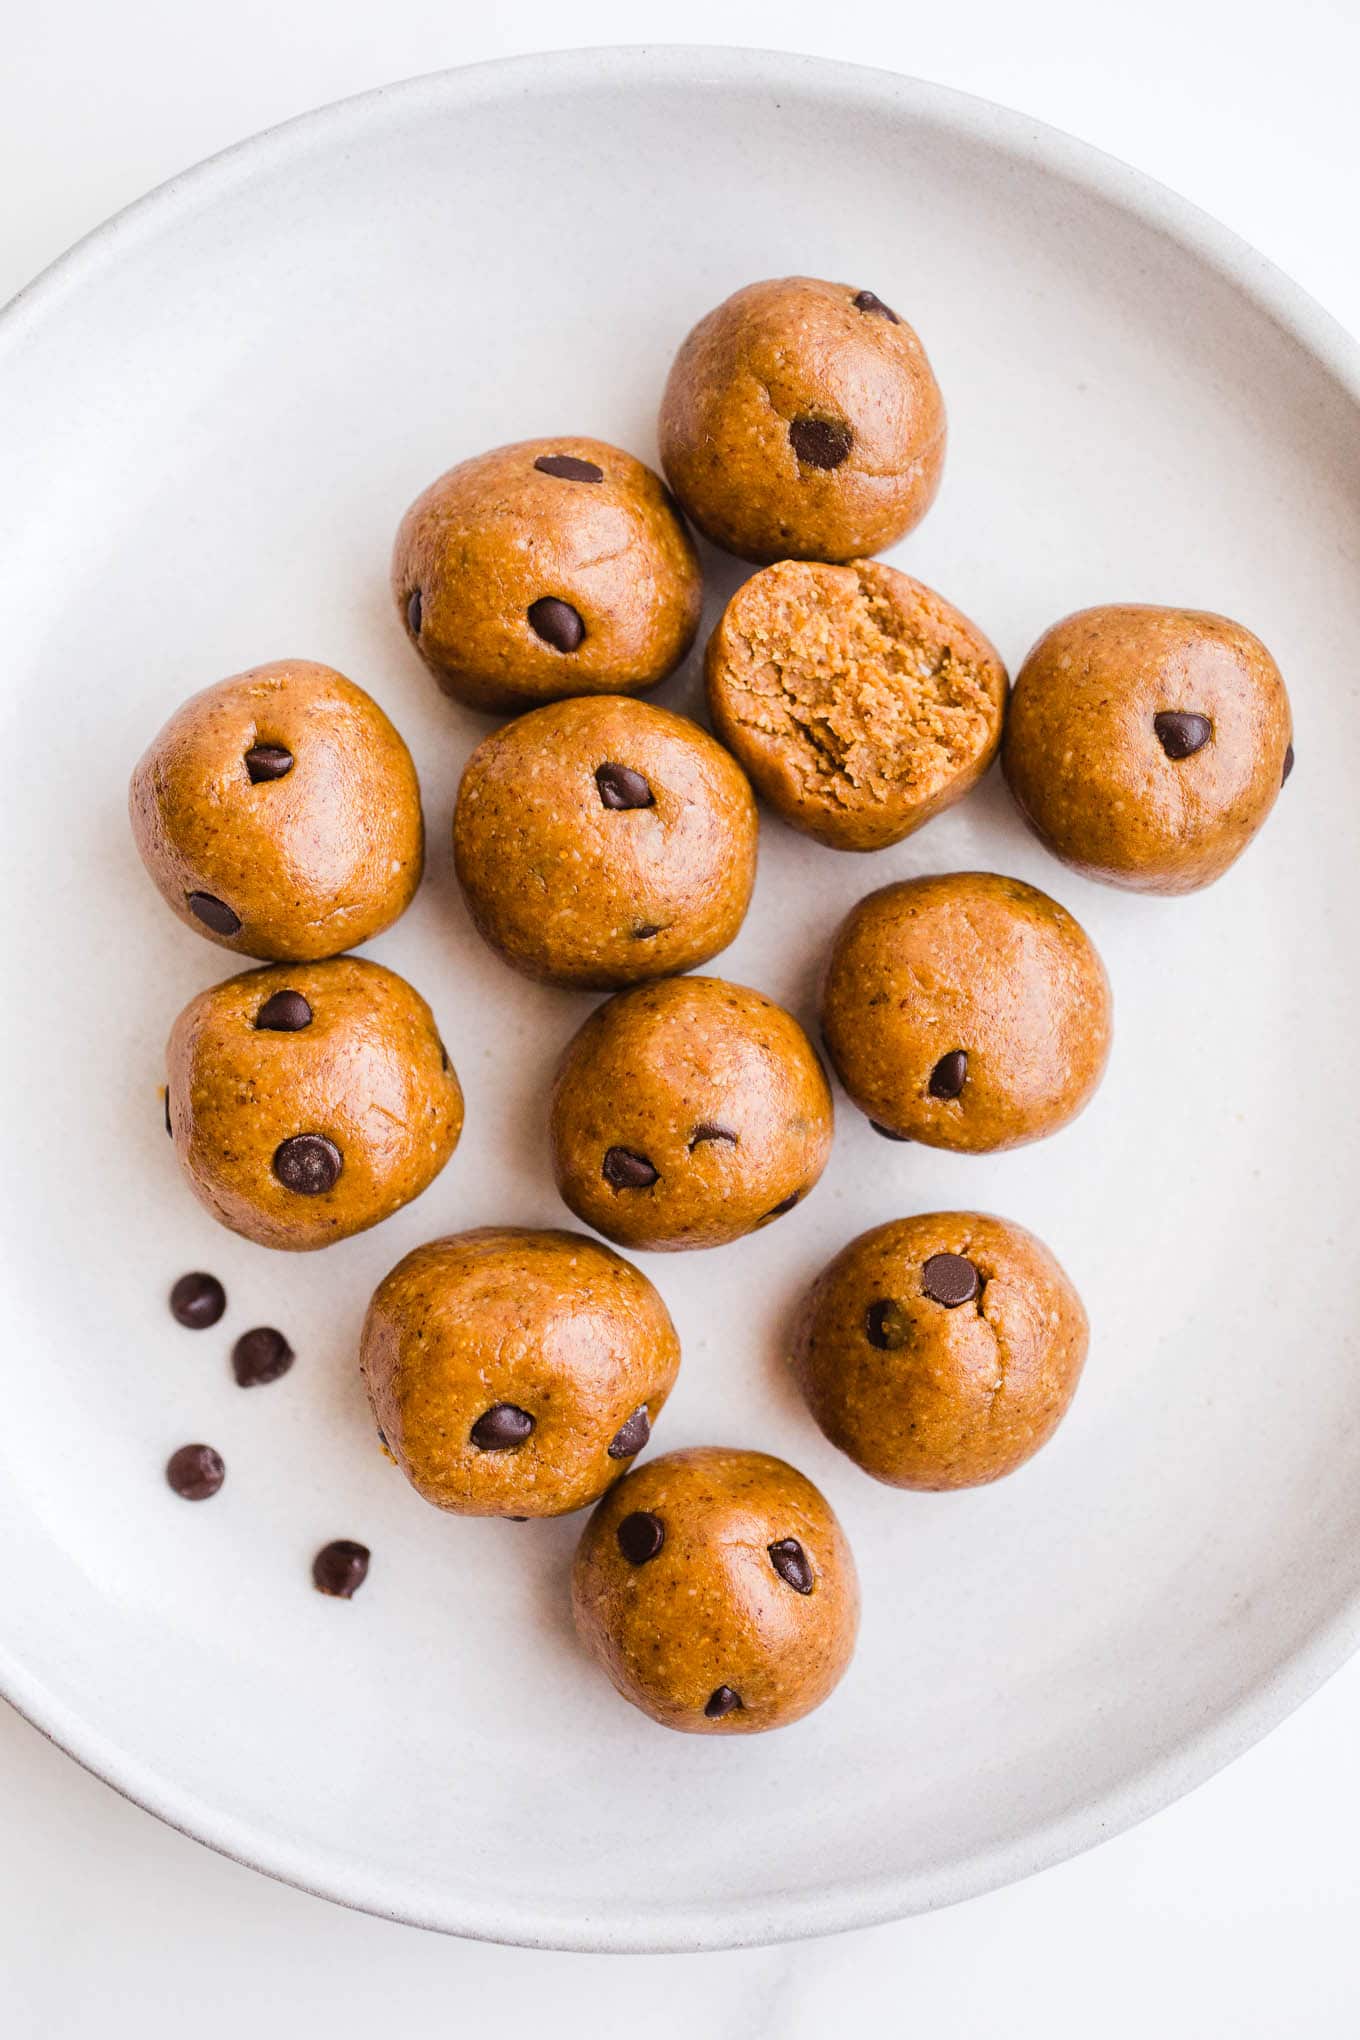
868,685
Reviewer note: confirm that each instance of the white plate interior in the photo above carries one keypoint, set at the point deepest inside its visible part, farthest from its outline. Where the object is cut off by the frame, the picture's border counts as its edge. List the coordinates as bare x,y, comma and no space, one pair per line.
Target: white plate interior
212,418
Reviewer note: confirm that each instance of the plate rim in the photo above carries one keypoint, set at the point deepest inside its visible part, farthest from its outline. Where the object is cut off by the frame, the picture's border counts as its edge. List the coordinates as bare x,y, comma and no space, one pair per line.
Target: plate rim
871,1901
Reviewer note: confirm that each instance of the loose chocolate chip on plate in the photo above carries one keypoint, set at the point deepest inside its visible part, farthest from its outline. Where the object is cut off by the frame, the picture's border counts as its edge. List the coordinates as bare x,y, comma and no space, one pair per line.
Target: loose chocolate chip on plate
556,622
709,1130
197,1301
722,1700
790,1561
501,1428
268,761
888,1132
784,1204
640,1536
340,1568
886,1325
624,1169
284,1013
568,468
1288,763
259,1356
820,442
630,1438
213,913
866,301
414,612
308,1163
946,1079
950,1279
621,787
195,1472
1180,733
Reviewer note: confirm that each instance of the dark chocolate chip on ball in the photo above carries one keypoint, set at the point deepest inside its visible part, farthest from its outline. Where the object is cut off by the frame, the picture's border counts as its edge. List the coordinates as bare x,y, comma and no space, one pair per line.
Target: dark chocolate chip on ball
501,1428
640,1536
568,467
722,1700
309,1163
196,1472
340,1568
630,1438
886,1325
790,1561
259,1356
888,1132
557,623
625,1169
165,1099
197,1301
868,301
947,1077
950,1279
1181,733
1288,763
709,1130
285,1012
784,1204
414,612
820,442
213,913
268,761
621,787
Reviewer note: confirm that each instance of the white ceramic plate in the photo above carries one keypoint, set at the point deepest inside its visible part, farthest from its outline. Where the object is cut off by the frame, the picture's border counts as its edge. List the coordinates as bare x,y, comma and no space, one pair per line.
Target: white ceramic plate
212,415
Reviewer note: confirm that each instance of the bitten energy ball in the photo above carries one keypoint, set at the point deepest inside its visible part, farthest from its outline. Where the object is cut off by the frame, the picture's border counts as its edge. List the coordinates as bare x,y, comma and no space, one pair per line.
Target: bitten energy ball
601,841
941,1351
309,1101
860,702
549,568
718,1591
279,814
967,1011
801,420
688,1113
1147,746
516,1373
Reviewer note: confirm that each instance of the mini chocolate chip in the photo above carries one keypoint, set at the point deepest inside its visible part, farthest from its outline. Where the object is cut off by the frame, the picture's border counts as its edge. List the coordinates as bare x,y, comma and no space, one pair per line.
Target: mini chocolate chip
630,1438
722,1700
950,1279
1180,733
268,761
784,1204
640,1536
308,1163
214,914
196,1472
1288,763
259,1356
820,442
946,1079
284,1013
888,1132
886,1324
501,1428
568,468
556,622
517,1519
707,1130
790,1561
197,1301
866,301
621,787
340,1568
646,931
443,1058
382,1439
625,1169
165,1100
414,612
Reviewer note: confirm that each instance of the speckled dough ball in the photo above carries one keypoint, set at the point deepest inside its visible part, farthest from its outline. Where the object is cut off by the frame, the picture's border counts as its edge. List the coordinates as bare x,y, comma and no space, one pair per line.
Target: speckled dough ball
516,1373
549,568
602,841
801,420
718,1591
688,1113
1146,746
860,702
941,1351
308,1101
279,814
967,1011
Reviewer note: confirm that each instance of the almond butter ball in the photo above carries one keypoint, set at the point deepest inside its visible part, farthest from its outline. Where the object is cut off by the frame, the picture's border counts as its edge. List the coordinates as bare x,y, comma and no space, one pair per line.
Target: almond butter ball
549,568
278,814
801,420
940,1351
860,702
310,1101
516,1373
718,1591
967,1011
602,841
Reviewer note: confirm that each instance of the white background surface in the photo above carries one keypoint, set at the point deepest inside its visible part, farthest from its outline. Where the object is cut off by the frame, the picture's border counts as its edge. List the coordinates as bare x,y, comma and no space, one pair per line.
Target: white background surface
1235,1912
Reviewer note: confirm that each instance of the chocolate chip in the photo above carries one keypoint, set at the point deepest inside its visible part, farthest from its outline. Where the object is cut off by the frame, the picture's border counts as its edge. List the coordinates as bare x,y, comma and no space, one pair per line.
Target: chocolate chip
414,612
621,787
259,1356
820,442
784,1204
197,1301
308,1163
640,1536
886,1324
1288,763
1180,733
645,933
501,1428
556,622
888,1132
709,1130
950,1279
196,1472
722,1700
443,1058
165,1100
568,468
214,914
284,1013
946,1079
268,761
790,1561
630,1438
340,1568
625,1169
865,301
